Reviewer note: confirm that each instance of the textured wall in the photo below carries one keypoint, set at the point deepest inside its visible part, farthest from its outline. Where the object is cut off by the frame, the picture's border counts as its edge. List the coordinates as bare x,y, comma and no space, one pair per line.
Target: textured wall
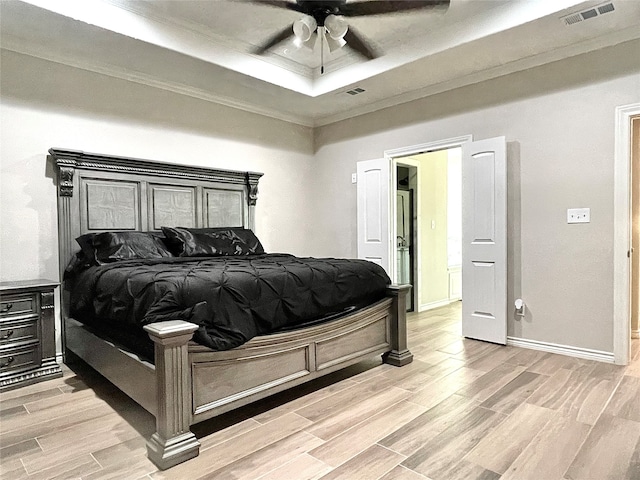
46,105
558,120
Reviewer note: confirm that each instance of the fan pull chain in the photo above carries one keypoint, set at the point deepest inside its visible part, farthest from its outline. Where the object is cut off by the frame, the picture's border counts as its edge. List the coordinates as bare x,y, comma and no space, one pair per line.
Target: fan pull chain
322,49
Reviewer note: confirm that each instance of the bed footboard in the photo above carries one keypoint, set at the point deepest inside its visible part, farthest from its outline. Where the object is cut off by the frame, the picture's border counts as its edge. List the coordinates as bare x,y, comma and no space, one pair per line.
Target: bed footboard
178,366
191,383
173,442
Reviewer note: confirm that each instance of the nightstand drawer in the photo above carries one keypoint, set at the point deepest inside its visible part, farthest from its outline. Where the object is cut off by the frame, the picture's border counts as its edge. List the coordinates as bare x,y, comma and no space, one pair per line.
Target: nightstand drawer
20,331
19,358
14,305
27,332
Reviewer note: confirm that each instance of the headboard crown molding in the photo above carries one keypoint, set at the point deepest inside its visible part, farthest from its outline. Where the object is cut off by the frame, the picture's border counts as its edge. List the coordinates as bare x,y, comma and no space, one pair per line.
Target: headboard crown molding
69,160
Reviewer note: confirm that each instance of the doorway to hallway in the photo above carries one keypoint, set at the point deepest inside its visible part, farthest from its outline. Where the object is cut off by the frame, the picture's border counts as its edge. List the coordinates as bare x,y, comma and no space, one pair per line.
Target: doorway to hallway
429,226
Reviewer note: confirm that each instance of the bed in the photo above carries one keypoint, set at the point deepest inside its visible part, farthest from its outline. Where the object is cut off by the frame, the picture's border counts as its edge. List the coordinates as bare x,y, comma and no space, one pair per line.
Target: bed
185,382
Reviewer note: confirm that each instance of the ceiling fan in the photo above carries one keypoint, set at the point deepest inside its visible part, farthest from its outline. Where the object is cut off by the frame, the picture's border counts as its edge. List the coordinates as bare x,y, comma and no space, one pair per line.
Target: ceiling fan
325,20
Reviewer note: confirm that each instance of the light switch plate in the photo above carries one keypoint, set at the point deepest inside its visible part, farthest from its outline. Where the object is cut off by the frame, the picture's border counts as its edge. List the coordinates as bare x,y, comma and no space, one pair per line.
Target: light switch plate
578,215
354,177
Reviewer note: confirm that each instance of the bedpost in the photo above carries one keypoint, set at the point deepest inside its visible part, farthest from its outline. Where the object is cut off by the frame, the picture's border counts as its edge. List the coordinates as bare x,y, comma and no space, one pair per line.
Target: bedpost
173,442
399,354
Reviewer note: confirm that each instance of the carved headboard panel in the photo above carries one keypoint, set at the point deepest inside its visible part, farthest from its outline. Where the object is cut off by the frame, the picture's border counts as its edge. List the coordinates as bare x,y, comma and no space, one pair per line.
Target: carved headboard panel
98,193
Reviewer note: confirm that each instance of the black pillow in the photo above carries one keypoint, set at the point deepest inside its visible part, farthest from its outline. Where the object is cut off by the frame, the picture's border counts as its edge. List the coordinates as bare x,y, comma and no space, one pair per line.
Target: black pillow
86,246
78,263
199,242
113,246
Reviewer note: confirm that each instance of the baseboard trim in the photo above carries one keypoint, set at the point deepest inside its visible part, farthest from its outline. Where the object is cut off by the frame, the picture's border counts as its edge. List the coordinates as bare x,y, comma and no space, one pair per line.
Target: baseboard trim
438,304
568,350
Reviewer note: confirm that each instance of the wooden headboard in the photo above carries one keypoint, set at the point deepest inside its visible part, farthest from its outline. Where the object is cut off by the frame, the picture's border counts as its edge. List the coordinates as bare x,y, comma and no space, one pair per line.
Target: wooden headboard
98,193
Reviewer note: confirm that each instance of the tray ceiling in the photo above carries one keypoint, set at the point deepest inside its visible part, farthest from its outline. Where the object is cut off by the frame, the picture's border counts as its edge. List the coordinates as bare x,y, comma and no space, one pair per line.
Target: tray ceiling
202,48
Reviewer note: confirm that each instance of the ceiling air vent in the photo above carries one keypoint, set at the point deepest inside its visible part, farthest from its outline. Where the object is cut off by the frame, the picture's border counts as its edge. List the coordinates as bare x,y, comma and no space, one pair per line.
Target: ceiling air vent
571,19
588,14
605,8
356,91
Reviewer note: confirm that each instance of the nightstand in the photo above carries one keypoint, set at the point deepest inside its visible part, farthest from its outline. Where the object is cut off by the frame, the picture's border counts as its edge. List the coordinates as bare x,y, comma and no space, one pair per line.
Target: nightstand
27,333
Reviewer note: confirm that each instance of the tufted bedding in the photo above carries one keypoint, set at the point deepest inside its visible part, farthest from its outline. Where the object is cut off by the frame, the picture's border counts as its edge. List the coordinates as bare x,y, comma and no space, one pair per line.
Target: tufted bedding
231,298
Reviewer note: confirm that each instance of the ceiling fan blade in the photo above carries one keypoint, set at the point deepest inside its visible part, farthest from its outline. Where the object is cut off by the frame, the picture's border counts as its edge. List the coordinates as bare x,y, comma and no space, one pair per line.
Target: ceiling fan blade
355,41
281,36
279,4
359,9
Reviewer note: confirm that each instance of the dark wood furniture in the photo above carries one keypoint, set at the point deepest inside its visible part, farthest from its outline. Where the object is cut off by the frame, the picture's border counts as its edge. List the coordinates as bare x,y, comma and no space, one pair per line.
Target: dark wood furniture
190,383
27,333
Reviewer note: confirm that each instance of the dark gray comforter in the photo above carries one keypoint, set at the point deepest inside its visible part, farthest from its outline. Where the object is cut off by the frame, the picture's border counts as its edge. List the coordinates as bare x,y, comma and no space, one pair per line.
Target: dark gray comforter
232,299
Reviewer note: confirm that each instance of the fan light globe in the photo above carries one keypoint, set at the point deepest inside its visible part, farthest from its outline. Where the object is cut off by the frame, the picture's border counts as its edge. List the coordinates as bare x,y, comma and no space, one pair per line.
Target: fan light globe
336,26
335,43
304,28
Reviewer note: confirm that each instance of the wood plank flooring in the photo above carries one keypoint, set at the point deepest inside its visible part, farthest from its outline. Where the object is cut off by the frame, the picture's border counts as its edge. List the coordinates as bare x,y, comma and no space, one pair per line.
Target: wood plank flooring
464,410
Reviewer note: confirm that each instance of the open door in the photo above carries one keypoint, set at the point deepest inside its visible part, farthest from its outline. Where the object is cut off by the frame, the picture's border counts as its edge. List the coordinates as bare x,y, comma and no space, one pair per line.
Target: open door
484,240
373,177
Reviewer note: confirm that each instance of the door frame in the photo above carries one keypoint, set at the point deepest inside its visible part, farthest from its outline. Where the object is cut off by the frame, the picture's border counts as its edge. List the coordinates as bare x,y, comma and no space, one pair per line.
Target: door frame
622,234
392,156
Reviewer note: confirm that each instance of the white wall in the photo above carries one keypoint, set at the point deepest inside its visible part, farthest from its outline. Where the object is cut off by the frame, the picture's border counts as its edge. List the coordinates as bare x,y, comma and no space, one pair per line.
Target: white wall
44,105
559,122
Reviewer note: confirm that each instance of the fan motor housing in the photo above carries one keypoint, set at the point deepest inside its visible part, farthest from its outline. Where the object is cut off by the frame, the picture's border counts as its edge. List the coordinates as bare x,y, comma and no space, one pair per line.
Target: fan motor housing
320,10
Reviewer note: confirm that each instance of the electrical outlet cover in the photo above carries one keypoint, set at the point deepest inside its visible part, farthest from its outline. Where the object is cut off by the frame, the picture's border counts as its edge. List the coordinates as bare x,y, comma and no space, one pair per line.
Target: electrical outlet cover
578,215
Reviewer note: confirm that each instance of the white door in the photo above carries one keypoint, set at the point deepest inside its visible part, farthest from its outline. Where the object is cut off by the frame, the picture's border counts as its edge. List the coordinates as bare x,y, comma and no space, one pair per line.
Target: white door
484,240
373,177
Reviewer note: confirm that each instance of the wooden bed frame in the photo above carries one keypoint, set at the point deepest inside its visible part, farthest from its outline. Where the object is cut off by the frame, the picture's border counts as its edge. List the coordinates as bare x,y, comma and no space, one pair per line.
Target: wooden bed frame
190,383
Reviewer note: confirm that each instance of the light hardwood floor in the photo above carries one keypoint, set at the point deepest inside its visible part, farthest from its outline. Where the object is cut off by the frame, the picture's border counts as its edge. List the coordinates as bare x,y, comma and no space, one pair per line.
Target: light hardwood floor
462,410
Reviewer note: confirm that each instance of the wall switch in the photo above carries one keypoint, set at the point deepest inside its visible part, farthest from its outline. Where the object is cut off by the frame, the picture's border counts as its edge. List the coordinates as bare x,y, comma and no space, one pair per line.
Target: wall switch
354,178
578,215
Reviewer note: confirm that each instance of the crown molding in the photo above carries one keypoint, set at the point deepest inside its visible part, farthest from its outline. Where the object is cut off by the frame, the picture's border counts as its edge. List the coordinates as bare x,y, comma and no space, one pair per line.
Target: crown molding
604,41
150,81
109,17
43,52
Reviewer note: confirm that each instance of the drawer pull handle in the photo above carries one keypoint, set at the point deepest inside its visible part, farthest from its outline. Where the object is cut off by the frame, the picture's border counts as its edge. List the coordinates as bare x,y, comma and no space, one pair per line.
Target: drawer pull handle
7,335
8,362
7,308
